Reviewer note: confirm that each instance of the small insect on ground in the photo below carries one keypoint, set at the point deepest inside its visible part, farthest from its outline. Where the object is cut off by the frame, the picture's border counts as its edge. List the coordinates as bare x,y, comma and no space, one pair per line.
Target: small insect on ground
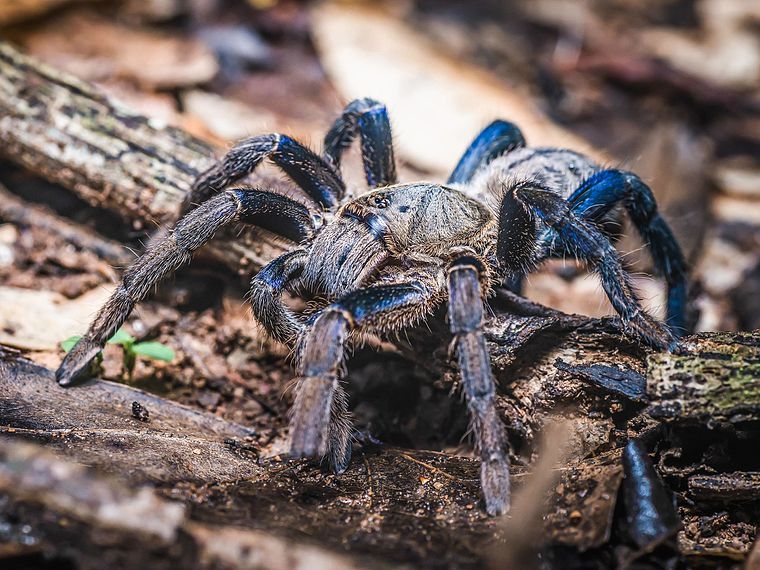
140,412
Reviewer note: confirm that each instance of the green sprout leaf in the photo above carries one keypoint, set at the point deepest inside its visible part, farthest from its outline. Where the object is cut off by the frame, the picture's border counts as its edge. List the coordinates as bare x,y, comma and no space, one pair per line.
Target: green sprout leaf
69,343
121,337
154,350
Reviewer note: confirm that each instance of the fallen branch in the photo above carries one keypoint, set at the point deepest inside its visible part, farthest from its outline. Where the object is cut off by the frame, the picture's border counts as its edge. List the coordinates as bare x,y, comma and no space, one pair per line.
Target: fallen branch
717,381
142,528
69,132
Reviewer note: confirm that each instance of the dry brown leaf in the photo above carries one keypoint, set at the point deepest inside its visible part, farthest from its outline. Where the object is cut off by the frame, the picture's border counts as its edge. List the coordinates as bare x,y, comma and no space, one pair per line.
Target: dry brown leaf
227,119
97,49
14,11
731,209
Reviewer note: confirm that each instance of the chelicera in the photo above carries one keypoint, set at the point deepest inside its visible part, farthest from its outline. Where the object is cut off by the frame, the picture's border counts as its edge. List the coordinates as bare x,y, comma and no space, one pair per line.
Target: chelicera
384,260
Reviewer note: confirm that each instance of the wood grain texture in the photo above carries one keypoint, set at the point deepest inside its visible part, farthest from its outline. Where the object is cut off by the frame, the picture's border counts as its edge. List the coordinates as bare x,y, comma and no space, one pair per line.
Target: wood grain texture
70,133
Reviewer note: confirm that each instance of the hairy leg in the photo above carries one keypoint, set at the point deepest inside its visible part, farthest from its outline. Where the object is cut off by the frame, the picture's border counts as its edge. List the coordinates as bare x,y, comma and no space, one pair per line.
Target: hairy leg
368,119
607,188
496,139
264,209
466,321
266,296
525,203
319,423
316,177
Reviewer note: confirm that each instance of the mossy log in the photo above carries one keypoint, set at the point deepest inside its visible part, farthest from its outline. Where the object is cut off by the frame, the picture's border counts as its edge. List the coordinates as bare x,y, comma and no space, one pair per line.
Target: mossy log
717,380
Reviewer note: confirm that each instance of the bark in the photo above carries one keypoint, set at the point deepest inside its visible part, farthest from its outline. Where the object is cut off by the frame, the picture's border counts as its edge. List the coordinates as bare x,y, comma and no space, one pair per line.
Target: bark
69,132
717,380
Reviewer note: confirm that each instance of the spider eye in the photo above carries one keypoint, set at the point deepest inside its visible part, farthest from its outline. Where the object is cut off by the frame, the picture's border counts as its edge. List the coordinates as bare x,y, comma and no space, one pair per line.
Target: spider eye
379,201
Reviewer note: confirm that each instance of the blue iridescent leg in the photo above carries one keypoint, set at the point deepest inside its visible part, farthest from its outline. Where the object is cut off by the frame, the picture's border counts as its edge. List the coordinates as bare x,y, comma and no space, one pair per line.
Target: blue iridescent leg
319,423
368,119
524,205
496,139
280,322
607,188
321,182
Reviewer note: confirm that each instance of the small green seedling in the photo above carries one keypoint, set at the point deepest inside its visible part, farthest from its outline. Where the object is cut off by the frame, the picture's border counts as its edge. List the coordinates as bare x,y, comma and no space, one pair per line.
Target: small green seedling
149,349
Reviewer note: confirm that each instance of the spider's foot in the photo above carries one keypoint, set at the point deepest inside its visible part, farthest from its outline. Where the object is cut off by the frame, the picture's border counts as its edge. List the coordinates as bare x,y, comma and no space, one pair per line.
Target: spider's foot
76,364
494,479
305,443
340,455
654,333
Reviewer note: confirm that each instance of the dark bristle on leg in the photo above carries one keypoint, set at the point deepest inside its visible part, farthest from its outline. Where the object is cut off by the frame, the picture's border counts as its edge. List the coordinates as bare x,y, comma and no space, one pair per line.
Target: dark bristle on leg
607,188
320,423
368,119
589,244
466,321
271,211
496,139
317,178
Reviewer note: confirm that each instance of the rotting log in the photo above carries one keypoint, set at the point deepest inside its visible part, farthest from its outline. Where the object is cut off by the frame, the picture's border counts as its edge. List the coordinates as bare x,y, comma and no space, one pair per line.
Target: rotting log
390,502
70,133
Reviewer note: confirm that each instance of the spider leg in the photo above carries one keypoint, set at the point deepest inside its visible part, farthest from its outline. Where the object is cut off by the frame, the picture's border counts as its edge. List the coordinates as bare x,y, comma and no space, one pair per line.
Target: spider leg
319,421
369,119
607,188
266,302
517,249
466,321
267,210
316,177
496,139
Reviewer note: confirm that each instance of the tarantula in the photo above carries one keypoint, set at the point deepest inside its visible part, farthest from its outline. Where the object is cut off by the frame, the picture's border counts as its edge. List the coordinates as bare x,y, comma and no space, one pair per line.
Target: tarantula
382,261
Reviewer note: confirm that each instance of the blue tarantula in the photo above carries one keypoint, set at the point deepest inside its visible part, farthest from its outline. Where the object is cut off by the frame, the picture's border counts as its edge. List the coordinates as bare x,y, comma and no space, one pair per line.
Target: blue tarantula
382,261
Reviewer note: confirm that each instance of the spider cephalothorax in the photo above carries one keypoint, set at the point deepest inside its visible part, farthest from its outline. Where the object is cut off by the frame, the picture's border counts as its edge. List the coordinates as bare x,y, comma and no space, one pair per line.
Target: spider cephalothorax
384,260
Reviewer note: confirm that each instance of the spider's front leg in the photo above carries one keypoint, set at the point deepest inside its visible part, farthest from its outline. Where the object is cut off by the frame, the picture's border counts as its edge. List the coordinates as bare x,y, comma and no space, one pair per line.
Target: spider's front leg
607,188
368,119
280,322
466,322
319,423
320,180
267,210
523,204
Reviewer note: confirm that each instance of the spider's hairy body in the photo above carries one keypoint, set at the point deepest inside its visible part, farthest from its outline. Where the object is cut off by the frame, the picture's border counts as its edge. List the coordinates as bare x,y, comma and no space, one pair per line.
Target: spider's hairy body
382,261
400,225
